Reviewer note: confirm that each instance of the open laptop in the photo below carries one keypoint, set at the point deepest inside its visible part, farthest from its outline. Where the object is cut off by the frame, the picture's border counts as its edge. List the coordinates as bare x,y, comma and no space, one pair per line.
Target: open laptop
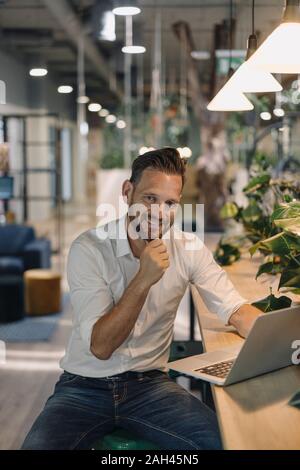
268,347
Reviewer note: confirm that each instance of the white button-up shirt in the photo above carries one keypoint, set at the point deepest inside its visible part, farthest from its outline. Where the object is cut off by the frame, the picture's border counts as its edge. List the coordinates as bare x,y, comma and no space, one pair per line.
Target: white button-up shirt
99,270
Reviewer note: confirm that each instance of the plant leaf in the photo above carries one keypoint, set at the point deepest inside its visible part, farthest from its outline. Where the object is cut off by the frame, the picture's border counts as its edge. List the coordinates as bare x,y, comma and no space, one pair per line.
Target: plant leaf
257,182
290,278
270,303
229,210
277,244
268,268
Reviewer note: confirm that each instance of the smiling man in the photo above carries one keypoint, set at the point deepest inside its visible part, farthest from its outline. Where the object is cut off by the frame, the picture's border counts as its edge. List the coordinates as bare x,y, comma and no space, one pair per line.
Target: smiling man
125,291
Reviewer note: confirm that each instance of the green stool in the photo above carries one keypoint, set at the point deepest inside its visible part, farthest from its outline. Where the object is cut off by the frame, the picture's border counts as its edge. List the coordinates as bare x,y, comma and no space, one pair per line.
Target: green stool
120,439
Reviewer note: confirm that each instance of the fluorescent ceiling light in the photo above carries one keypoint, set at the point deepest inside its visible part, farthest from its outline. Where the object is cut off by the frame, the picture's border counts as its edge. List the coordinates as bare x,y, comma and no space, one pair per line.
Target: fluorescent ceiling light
111,118
65,89
279,52
103,112
126,11
200,55
133,49
94,107
38,72
83,99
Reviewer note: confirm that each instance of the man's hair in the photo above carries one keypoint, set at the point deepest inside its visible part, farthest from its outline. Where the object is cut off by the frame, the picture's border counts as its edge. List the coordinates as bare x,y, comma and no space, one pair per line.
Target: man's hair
167,160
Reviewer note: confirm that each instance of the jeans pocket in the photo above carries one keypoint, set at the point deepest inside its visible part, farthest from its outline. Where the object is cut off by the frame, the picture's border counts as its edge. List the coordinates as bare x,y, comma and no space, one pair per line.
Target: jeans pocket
67,378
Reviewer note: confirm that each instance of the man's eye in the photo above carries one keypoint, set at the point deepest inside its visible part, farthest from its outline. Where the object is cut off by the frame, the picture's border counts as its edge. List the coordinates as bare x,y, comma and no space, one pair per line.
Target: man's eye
150,198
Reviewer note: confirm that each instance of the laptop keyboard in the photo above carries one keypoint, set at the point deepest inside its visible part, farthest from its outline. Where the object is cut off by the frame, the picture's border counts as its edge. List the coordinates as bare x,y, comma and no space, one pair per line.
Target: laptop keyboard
221,369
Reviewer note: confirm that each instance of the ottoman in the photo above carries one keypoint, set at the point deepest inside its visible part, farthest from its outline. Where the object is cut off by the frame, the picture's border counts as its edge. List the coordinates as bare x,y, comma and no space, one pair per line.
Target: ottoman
11,298
42,291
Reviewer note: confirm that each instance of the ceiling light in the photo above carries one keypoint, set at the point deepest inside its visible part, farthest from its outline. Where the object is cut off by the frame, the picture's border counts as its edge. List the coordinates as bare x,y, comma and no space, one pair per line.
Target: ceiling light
65,89
230,99
121,124
38,72
278,112
126,11
103,112
278,53
94,107
200,55
248,79
133,49
83,99
110,119
125,7
265,116
227,53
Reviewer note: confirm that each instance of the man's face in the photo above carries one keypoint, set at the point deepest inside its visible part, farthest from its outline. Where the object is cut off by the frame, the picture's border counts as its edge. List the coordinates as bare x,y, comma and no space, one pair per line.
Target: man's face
158,195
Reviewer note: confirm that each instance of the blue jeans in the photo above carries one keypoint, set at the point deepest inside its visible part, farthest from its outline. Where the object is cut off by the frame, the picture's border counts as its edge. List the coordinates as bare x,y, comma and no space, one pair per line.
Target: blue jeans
82,410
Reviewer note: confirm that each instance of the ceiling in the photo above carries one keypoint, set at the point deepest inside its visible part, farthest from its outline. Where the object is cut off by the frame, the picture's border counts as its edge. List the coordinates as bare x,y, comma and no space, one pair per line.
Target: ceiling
28,27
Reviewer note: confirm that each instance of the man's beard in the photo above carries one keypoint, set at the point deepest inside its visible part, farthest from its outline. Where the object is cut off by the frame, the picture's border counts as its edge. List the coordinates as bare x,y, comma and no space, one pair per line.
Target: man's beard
152,229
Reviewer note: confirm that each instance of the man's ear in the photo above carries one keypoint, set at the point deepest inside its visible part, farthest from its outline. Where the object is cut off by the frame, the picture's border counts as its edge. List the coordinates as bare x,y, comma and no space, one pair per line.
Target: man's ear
127,190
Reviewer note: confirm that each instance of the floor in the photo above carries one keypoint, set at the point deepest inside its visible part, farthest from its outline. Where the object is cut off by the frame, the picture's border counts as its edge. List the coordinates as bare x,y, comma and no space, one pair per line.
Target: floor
31,369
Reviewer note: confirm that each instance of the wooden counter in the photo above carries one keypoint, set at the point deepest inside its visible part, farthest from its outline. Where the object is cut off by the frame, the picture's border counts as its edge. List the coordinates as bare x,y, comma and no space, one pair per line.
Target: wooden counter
253,414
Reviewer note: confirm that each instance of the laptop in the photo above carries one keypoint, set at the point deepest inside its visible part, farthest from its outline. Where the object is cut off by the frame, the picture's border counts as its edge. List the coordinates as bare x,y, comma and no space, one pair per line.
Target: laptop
268,347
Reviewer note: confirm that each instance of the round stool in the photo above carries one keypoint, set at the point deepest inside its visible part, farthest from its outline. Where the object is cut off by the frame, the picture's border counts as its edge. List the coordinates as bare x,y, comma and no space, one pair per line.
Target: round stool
120,439
42,291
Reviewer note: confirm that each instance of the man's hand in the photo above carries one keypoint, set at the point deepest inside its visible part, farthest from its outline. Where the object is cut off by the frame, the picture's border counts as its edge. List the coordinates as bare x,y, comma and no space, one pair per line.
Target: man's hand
244,318
154,261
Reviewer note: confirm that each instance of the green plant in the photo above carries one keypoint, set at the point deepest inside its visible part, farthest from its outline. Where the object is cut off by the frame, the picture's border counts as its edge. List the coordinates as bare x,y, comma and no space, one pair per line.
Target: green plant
270,303
271,206
284,247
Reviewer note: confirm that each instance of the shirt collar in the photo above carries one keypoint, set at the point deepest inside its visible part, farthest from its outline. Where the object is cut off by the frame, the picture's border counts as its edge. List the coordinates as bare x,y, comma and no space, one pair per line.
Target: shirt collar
122,243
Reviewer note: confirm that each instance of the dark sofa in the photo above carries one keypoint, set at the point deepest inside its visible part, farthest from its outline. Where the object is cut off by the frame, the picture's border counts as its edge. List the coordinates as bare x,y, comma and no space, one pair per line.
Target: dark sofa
21,250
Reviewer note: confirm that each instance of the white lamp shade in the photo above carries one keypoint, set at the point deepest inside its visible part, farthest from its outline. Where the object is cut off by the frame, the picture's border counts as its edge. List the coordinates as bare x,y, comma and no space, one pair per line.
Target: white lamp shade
279,52
230,98
253,80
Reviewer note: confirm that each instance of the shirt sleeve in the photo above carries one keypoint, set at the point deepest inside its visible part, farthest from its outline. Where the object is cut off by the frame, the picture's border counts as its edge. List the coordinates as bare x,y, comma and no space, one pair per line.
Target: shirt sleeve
90,295
214,285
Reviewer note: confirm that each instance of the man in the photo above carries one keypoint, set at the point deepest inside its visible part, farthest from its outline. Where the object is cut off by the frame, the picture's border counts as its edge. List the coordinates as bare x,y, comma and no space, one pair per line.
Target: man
125,291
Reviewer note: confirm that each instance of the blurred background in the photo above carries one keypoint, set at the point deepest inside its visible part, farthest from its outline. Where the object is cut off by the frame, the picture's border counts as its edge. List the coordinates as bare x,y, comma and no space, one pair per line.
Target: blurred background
86,88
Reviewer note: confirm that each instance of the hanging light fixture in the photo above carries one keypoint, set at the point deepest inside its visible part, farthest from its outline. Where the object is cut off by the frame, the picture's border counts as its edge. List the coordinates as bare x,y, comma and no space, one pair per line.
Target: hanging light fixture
278,53
250,79
230,98
129,47
94,107
126,7
65,89
37,66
